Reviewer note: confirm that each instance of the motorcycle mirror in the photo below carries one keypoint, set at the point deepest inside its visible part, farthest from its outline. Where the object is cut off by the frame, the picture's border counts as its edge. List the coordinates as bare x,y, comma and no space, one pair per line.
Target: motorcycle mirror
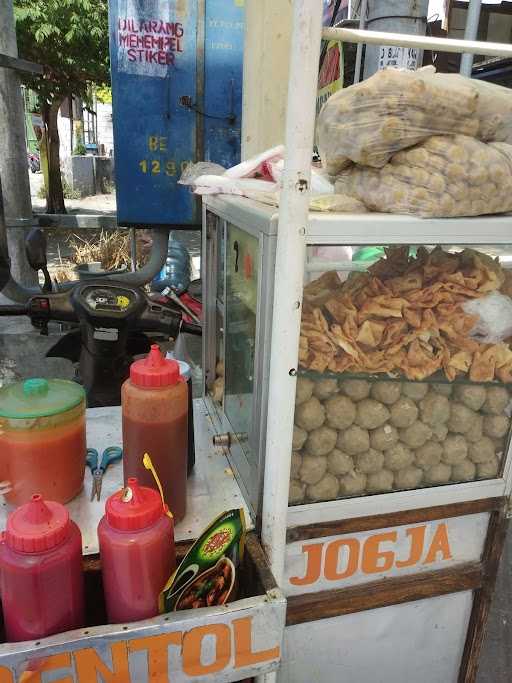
35,249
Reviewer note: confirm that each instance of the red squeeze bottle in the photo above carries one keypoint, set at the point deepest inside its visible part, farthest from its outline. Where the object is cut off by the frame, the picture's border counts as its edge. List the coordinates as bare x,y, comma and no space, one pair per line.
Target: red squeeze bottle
137,552
41,579
155,420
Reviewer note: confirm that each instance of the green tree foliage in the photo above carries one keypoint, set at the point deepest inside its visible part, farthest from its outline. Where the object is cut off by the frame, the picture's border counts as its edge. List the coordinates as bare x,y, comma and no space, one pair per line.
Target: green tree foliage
70,39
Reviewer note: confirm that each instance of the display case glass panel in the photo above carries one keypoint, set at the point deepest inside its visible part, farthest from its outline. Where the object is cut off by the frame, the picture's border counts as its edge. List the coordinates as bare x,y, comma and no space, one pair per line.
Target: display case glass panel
242,259
405,369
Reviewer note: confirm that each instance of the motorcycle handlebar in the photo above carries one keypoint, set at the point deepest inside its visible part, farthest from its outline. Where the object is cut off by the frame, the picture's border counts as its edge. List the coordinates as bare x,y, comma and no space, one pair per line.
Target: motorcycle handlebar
191,328
13,309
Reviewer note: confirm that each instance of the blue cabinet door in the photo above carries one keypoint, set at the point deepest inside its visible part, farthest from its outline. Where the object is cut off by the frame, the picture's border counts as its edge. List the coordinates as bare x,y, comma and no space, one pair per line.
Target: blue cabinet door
153,49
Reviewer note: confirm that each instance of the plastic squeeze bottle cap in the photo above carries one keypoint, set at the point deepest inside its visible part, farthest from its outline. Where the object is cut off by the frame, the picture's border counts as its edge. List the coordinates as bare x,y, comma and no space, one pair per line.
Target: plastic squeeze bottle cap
134,507
155,370
37,526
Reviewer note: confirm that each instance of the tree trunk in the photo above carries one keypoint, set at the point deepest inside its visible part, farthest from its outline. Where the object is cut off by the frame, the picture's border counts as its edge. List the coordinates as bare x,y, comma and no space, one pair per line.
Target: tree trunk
54,192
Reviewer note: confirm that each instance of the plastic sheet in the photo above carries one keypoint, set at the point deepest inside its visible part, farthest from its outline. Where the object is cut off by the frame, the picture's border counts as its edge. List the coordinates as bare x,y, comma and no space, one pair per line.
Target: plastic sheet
393,110
442,177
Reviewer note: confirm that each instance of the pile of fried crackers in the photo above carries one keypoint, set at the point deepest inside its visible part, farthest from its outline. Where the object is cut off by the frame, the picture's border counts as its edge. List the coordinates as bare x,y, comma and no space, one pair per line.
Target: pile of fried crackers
404,317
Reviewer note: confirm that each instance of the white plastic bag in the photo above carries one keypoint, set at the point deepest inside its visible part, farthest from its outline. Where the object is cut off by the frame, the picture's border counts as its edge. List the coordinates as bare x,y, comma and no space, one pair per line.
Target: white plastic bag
194,171
258,165
494,313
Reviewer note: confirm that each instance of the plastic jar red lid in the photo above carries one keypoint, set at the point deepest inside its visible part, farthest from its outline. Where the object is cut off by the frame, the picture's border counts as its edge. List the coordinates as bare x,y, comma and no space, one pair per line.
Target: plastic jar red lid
134,507
155,370
37,526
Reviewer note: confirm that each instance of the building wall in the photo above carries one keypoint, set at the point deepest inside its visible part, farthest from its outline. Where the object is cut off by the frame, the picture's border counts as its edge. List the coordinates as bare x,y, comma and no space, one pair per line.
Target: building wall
105,131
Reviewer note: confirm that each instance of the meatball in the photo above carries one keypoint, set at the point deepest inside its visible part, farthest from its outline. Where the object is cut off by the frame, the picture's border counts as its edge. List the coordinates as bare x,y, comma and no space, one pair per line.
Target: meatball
443,389
380,482
414,390
304,390
434,409
397,457
356,389
482,450
416,435
371,461
354,440
383,437
403,413
339,463
297,492
472,396
488,470
310,414
325,388
499,446
326,489
464,471
340,412
299,438
476,430
312,469
461,418
496,402
496,426
439,432
438,474
455,449
353,484
386,392
408,478
371,414
321,441
296,465
428,455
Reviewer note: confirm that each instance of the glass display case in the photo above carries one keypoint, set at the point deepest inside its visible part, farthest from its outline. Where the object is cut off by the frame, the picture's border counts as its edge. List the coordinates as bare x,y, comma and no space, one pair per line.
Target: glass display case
238,279
404,372
404,369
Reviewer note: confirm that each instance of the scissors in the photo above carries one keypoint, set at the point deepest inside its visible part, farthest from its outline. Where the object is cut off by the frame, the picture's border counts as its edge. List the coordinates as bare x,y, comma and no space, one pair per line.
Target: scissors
109,455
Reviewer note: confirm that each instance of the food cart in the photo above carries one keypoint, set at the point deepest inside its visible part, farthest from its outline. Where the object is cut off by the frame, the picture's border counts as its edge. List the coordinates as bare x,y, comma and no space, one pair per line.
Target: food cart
386,577
384,581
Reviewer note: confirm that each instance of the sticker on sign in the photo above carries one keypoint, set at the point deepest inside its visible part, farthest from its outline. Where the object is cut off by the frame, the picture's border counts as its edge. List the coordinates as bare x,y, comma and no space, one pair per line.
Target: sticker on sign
398,58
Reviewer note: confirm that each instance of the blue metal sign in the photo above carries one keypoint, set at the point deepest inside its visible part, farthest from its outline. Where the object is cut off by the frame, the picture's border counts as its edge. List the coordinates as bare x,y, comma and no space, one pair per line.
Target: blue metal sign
173,101
223,62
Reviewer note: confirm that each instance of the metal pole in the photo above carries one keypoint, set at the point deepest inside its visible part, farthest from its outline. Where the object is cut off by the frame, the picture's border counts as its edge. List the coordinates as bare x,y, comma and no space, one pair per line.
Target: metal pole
289,275
13,154
352,35
359,53
399,16
133,248
471,33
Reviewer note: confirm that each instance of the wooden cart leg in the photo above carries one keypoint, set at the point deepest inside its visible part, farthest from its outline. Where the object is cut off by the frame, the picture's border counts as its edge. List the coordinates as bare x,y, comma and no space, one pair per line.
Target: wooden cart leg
494,544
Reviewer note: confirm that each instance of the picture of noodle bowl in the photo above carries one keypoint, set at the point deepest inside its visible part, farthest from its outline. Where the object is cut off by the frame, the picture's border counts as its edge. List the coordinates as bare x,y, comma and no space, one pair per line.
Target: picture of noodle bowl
213,587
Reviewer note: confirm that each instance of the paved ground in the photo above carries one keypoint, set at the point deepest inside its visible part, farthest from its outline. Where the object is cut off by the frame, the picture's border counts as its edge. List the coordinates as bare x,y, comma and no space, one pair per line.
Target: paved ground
18,339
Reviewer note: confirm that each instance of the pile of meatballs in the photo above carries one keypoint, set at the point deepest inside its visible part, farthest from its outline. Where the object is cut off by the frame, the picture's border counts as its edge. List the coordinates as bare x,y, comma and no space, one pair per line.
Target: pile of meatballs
353,437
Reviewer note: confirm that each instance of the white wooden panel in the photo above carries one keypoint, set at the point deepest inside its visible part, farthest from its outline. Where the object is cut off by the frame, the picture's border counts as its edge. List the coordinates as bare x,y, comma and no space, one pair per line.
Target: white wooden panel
417,642
356,558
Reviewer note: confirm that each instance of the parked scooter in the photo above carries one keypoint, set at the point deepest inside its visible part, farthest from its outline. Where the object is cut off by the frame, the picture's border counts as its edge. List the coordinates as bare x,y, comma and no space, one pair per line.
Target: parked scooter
112,322
34,162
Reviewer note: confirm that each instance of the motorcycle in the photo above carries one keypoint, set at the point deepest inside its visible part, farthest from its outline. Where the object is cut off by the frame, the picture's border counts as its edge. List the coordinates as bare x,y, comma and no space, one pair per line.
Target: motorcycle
111,323
34,162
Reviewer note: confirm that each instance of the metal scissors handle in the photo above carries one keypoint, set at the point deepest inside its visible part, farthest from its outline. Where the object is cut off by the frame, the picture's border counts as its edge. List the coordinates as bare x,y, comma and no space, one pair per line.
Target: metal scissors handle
109,455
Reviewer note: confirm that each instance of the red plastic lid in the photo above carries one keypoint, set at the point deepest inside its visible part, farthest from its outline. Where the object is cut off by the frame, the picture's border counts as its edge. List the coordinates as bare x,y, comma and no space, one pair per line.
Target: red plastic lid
37,526
134,507
155,370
